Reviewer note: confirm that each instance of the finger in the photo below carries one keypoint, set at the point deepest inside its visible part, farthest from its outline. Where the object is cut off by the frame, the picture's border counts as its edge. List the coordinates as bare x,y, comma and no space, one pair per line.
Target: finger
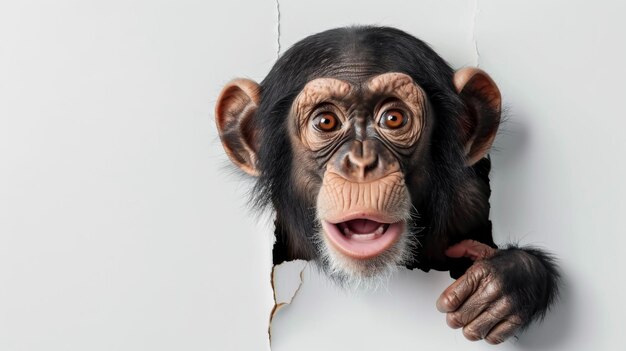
503,330
479,302
471,249
480,326
456,294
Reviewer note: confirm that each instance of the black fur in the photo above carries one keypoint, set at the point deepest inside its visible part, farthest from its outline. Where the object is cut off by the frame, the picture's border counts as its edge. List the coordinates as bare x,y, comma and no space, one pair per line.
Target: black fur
452,203
530,278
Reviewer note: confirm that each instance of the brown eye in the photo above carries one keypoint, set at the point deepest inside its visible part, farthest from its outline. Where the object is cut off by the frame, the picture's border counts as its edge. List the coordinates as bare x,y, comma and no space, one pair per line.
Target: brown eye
326,122
392,119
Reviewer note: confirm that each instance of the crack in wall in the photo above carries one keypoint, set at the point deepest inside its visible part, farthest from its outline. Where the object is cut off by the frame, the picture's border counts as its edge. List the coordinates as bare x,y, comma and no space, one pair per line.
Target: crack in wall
473,30
277,29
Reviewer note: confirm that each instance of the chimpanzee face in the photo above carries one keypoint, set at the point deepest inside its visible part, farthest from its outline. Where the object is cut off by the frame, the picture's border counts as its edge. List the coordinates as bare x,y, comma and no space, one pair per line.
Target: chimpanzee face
358,136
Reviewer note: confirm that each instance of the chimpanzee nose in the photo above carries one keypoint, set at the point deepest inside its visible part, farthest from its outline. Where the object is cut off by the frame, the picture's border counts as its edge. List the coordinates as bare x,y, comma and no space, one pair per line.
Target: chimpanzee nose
364,161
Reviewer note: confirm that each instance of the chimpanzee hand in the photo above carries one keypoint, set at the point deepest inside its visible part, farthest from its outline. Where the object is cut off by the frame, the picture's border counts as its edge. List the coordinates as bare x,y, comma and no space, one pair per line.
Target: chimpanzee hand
500,293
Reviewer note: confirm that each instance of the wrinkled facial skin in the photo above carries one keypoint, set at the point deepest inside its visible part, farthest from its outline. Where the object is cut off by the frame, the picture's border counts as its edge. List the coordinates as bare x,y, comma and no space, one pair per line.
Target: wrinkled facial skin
359,137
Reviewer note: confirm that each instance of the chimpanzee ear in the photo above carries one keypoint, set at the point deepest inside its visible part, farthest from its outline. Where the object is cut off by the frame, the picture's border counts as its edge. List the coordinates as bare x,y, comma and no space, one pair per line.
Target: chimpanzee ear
482,111
235,108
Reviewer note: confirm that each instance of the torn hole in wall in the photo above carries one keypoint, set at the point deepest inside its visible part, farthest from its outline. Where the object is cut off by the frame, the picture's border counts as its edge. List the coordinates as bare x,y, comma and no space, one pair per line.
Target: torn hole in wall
286,281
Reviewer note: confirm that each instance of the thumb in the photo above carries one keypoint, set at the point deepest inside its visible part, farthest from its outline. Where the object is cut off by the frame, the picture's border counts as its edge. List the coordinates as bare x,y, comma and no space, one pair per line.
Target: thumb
470,249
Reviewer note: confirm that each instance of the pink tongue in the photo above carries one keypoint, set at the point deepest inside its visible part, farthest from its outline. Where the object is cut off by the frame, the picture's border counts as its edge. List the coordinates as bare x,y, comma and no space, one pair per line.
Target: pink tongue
362,226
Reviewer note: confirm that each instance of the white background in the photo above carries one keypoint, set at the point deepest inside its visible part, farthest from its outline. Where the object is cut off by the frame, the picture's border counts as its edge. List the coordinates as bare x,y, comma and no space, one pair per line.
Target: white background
122,228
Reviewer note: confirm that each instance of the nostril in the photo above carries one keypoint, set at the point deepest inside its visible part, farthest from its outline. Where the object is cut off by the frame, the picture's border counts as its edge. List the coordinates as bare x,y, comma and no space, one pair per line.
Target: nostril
347,162
372,165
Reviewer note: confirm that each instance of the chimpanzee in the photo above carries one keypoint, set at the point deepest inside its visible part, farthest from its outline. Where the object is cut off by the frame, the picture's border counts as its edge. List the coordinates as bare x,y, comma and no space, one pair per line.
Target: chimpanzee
372,152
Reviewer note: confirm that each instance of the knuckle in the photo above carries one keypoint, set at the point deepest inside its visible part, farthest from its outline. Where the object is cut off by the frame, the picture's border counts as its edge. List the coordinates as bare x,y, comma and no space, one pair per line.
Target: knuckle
516,320
493,289
478,272
490,278
486,282
491,285
493,315
471,333
507,299
510,308
454,320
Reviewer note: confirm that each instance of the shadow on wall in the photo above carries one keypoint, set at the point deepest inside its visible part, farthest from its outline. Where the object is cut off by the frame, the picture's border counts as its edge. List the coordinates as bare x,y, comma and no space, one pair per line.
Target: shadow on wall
510,147
512,139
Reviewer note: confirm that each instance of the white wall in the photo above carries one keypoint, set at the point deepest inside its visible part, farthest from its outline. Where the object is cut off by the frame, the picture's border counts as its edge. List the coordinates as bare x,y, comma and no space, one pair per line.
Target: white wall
122,229
117,217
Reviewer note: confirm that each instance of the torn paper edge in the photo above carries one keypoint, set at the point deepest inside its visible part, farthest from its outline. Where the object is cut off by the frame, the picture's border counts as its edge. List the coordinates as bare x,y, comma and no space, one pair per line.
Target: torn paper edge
279,305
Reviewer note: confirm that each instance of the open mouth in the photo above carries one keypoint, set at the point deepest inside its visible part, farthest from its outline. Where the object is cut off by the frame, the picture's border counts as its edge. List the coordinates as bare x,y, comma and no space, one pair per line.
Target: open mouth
363,237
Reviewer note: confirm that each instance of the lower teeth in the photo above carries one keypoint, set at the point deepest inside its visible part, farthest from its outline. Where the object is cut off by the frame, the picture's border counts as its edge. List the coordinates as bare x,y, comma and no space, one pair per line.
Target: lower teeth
379,231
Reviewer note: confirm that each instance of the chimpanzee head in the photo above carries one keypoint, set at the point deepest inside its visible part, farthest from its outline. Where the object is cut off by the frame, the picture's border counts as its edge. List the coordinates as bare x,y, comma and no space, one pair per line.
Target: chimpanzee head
359,138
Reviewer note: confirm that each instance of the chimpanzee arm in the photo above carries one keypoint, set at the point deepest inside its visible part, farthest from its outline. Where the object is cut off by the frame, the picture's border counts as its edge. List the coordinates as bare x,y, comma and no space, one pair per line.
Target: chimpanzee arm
531,275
